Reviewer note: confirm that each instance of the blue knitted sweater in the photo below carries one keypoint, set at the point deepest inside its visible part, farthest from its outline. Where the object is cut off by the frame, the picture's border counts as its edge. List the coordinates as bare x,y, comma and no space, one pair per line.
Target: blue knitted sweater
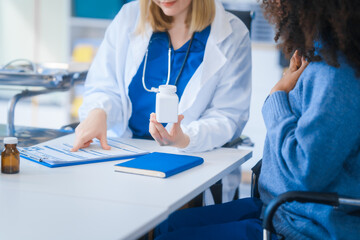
313,144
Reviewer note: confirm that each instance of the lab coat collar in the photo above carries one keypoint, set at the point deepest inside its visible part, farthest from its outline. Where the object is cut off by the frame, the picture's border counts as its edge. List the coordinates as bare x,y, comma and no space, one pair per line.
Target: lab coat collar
138,44
203,36
220,28
214,58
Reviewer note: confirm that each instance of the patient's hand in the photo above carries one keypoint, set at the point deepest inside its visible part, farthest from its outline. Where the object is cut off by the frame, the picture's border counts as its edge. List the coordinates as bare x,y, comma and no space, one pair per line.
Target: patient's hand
94,126
292,74
176,137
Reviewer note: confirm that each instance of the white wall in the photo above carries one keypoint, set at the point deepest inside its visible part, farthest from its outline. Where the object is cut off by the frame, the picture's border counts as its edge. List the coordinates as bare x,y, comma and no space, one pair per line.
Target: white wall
1,24
34,29
16,29
54,31
266,71
37,30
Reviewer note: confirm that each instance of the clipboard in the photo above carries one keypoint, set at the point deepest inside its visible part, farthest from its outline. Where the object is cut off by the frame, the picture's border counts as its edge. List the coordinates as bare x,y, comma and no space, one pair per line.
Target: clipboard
56,165
56,153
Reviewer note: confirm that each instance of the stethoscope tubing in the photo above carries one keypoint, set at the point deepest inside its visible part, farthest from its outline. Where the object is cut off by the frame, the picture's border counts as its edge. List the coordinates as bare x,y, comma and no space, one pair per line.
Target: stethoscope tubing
156,90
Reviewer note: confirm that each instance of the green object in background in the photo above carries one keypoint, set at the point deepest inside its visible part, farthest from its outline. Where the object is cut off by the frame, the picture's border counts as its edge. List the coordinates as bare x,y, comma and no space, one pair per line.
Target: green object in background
106,9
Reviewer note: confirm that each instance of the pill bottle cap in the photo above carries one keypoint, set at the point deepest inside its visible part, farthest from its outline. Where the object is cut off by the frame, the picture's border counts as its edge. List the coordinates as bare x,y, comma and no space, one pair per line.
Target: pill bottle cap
10,140
167,88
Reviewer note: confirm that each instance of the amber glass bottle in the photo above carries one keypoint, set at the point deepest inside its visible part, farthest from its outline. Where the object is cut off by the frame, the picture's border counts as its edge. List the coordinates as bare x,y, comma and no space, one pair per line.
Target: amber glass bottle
10,157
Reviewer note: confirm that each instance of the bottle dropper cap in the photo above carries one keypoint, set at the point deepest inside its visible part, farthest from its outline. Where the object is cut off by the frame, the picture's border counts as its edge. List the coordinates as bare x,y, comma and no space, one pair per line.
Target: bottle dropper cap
10,140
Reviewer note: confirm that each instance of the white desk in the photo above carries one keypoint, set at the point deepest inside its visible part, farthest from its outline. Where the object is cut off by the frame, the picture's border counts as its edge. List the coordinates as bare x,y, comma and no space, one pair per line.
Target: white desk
115,205
36,216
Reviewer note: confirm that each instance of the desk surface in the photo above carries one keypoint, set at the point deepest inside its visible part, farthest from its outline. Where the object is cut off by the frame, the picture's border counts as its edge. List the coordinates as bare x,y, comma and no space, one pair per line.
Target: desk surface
34,215
127,205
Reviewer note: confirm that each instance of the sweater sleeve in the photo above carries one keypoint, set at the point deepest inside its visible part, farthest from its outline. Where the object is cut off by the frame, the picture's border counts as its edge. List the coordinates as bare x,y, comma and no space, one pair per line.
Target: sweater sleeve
314,146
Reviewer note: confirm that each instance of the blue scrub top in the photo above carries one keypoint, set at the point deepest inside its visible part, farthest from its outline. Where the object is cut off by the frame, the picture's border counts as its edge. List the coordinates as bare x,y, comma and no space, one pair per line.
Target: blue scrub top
143,102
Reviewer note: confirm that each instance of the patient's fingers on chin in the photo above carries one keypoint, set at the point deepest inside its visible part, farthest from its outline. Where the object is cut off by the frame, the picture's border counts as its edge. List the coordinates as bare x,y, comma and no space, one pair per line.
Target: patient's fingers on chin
294,60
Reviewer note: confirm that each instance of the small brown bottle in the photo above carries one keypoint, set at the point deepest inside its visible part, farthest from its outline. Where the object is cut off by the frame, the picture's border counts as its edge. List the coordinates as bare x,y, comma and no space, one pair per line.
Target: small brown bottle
10,157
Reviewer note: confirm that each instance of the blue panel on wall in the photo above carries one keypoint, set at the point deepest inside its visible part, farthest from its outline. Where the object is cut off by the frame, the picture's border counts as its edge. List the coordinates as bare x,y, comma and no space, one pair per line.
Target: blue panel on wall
106,9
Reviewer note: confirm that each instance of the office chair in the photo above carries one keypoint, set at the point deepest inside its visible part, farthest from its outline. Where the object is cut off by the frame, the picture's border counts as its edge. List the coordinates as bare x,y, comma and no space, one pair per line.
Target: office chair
245,16
331,199
70,127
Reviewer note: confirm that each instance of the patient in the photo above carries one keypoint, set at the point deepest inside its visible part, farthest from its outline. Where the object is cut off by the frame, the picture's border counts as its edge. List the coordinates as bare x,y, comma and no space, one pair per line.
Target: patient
312,116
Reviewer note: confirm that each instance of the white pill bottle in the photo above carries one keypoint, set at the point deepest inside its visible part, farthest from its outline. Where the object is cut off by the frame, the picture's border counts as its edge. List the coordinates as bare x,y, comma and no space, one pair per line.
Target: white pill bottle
167,103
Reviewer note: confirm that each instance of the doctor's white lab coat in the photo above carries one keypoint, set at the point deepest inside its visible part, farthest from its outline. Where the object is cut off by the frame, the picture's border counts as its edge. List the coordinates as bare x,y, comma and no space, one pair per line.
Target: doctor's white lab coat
215,102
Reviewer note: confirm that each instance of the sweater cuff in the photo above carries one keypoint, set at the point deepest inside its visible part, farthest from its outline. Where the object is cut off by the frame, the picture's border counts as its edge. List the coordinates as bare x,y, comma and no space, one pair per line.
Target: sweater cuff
277,106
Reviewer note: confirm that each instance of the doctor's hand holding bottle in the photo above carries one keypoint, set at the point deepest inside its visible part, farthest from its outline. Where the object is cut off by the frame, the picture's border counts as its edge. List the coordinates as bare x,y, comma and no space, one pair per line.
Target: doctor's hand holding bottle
175,138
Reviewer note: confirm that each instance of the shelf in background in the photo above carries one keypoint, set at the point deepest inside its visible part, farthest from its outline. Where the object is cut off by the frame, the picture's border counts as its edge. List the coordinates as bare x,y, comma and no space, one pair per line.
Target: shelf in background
89,22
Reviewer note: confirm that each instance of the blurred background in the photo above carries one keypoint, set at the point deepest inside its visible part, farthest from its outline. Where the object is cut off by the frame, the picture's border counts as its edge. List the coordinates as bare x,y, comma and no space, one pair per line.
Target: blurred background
70,31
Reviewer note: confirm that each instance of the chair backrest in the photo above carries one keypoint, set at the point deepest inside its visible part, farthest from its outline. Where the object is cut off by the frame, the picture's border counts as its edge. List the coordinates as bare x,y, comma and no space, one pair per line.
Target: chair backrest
256,170
245,16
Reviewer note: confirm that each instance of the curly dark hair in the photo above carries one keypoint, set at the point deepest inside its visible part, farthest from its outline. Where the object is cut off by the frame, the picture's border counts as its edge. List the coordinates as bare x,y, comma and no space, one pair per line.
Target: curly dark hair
333,24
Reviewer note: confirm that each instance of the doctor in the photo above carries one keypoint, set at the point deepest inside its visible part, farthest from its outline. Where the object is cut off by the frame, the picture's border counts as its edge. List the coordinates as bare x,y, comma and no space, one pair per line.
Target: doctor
195,45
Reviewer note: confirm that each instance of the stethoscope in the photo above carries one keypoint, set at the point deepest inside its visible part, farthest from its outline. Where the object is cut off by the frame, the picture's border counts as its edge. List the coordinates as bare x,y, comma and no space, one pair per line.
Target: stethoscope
156,90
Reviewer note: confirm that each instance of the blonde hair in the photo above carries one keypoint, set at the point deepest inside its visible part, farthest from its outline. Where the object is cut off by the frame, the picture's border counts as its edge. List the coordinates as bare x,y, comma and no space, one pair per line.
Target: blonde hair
201,14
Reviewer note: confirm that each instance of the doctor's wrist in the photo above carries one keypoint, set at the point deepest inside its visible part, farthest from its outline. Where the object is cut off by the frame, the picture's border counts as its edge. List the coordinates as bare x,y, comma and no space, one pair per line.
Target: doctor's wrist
97,112
184,142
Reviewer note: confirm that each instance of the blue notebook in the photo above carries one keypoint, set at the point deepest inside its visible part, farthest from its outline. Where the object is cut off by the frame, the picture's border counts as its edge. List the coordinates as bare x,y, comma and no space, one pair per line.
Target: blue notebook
158,164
